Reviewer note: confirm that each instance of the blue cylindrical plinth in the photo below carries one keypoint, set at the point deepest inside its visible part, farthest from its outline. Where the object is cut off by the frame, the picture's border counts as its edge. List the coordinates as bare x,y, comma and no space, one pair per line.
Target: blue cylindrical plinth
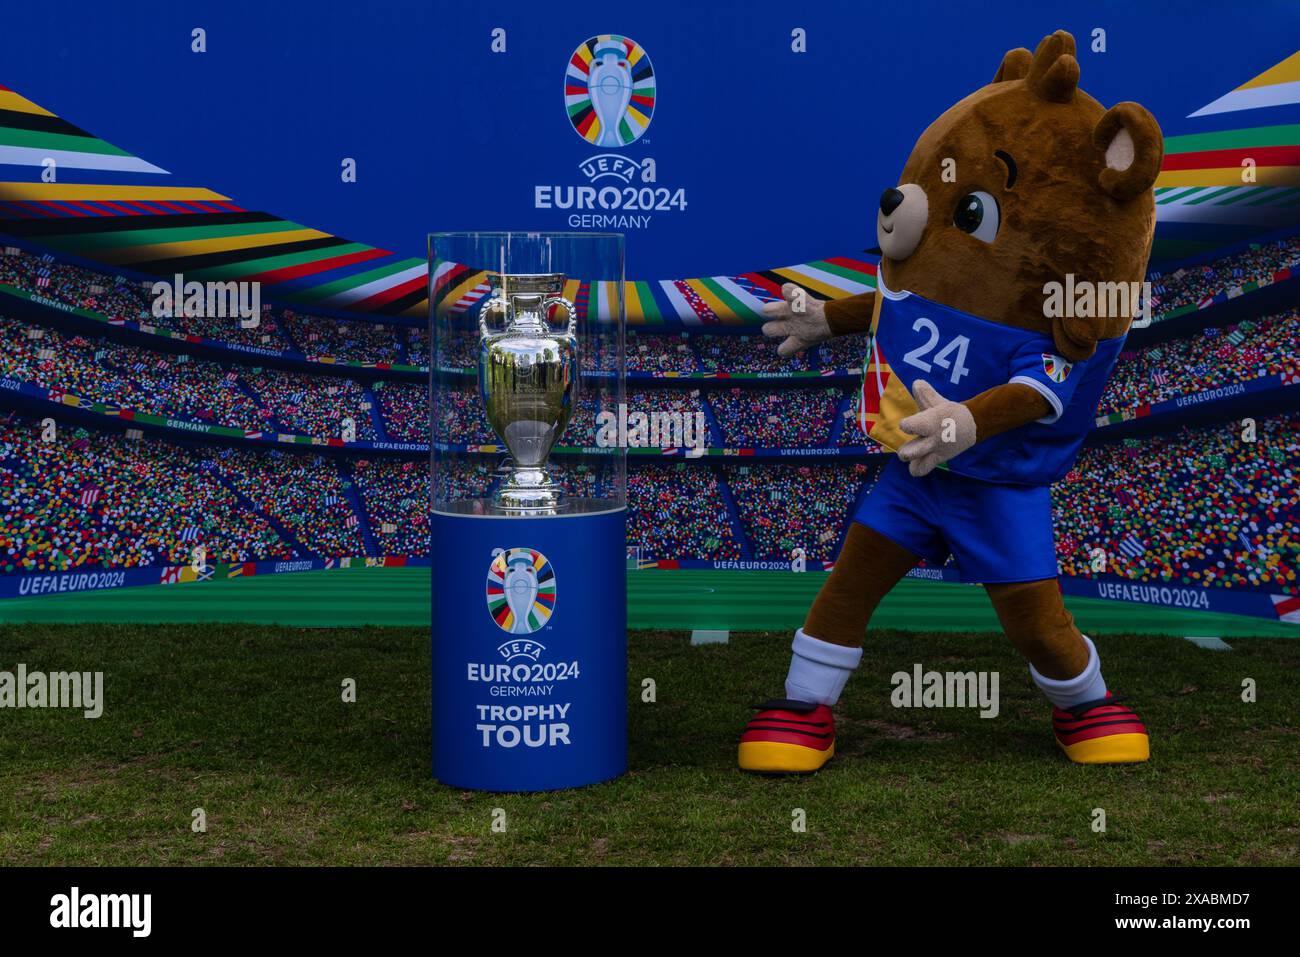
529,650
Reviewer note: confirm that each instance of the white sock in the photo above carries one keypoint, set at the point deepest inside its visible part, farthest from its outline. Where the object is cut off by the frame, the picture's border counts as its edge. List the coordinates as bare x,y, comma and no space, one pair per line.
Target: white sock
818,669
1088,685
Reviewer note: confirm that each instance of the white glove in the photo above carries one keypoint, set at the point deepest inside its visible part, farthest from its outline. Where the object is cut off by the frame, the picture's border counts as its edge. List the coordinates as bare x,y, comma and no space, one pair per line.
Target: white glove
800,318
943,430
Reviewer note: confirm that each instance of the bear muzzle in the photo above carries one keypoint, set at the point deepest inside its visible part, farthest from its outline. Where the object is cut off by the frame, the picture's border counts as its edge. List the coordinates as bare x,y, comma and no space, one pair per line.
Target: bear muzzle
904,212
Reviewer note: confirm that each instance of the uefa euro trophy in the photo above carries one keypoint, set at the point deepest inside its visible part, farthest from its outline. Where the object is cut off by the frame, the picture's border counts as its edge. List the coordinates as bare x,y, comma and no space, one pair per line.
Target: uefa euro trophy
528,381
527,529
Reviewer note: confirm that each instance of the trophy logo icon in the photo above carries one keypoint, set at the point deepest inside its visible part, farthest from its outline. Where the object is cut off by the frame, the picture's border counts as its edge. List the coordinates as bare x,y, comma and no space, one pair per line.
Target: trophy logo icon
609,90
528,381
520,591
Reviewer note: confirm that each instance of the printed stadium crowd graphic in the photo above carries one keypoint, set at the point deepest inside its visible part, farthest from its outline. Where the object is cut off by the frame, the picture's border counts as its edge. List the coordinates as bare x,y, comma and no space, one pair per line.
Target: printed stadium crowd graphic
302,442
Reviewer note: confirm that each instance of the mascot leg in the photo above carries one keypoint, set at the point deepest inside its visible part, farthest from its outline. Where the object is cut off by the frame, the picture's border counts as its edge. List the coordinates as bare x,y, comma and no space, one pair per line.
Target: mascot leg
797,734
1090,724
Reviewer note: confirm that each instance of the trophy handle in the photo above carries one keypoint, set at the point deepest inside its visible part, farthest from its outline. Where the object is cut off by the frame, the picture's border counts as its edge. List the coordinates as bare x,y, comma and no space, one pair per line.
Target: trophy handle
550,301
494,304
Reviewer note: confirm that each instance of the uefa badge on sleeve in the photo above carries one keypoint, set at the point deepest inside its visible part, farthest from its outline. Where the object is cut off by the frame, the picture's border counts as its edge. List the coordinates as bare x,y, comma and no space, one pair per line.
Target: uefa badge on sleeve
1057,369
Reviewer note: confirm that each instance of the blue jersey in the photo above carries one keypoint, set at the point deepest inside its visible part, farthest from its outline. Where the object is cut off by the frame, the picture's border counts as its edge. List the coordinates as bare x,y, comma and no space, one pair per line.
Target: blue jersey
963,355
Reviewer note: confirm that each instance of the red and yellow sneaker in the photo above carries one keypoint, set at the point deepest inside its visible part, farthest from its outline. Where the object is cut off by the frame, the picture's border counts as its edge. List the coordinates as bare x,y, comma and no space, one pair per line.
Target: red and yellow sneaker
1101,732
788,737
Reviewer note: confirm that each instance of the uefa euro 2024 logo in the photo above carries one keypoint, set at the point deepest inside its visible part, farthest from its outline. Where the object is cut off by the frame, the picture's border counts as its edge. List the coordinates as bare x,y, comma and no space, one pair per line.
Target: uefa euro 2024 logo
609,90
520,590
609,98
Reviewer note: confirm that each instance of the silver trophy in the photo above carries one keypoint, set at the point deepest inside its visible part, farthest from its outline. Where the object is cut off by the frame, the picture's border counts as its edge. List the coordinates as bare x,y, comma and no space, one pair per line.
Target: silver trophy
528,379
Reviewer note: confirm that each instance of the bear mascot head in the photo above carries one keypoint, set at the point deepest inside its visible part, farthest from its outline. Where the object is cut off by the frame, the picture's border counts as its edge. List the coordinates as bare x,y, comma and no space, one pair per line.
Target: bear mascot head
1023,182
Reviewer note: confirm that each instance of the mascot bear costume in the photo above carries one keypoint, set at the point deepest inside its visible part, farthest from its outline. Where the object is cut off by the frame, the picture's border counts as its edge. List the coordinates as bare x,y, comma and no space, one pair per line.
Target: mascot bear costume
983,391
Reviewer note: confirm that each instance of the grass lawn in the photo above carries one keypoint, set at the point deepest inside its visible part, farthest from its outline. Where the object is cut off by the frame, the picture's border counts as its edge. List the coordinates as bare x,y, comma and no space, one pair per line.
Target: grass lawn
247,723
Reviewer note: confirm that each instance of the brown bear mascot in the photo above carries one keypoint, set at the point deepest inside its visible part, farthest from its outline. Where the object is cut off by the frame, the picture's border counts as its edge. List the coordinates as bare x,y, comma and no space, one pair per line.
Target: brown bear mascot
984,383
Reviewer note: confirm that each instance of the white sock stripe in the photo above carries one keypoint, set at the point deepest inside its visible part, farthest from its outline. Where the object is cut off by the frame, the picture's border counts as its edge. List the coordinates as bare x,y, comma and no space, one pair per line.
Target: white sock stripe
819,670
824,652
1086,686
1079,681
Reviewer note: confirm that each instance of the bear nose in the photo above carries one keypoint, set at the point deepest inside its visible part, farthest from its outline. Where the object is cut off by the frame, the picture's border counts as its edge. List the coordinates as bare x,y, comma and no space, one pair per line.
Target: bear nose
890,200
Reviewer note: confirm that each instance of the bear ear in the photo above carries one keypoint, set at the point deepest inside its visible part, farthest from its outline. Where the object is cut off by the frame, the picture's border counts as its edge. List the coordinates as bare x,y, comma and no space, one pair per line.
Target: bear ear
1054,72
1130,137
1015,66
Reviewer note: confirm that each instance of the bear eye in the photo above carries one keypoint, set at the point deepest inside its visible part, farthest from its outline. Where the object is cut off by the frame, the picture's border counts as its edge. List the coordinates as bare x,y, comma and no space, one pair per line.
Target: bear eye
977,214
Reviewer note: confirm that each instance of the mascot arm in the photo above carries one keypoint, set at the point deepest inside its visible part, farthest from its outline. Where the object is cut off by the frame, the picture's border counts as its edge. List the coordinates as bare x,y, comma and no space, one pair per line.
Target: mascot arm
851,316
802,321
944,429
1006,407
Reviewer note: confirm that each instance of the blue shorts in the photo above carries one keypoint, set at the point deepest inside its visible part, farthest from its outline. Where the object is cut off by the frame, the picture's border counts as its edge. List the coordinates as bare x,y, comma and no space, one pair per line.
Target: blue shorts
996,533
